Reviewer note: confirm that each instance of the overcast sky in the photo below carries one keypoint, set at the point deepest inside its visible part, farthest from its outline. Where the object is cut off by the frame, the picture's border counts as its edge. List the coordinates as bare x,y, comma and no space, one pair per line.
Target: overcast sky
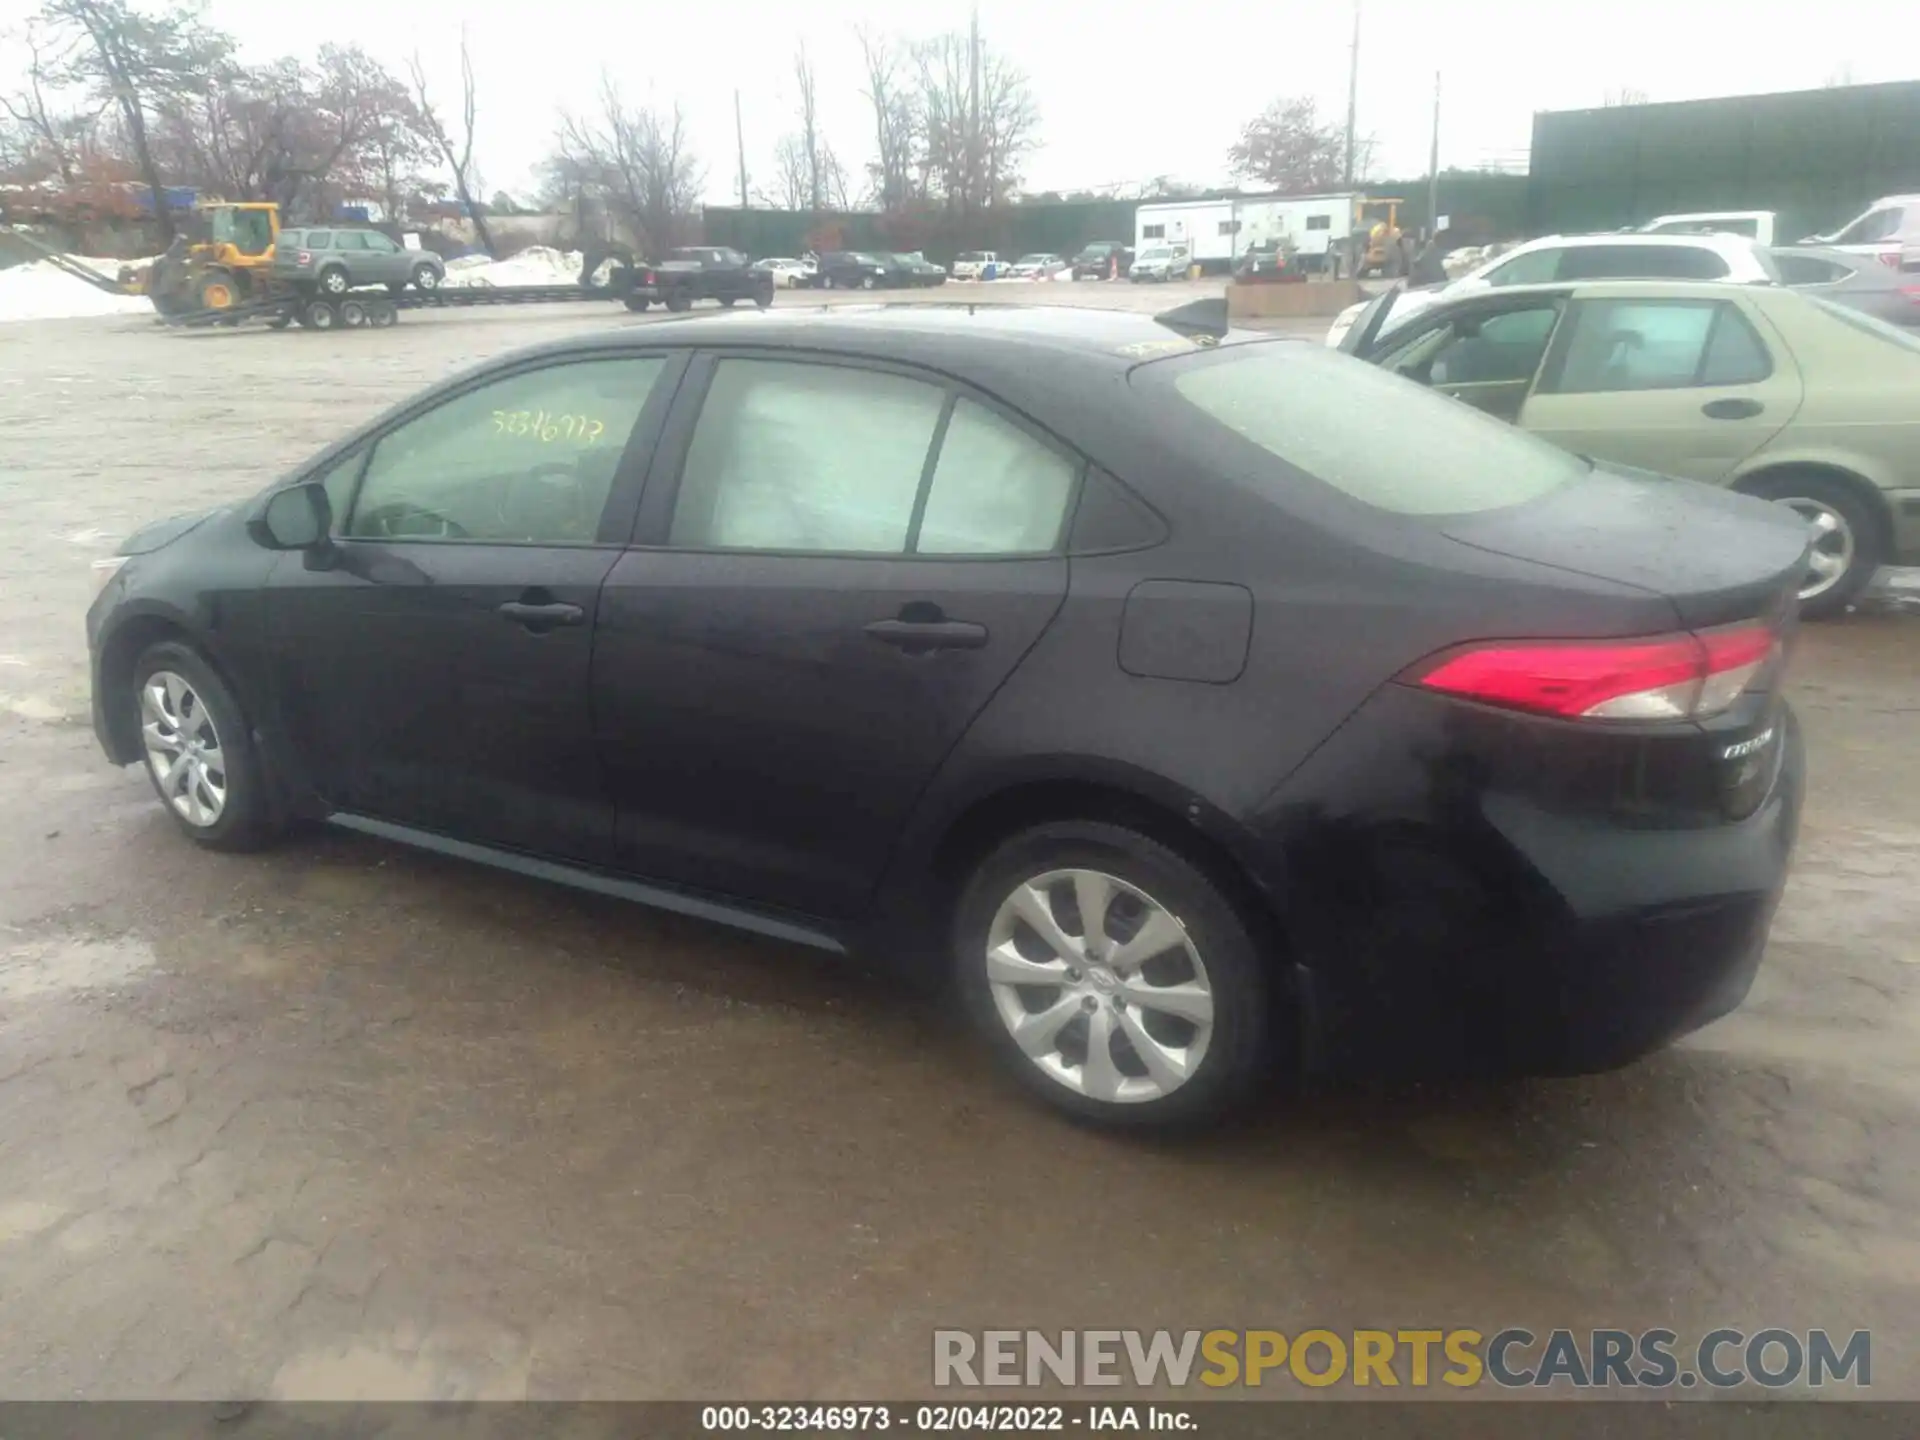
1126,92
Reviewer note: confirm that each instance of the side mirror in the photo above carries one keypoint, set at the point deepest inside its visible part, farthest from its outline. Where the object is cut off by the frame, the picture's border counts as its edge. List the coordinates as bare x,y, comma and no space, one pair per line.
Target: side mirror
297,518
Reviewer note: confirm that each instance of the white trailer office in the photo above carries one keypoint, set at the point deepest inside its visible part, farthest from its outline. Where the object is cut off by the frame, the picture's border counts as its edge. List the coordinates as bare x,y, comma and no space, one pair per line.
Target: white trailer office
1218,232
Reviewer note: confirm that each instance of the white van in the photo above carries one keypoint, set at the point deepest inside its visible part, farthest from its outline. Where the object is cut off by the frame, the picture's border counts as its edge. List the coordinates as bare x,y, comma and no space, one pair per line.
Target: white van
1756,225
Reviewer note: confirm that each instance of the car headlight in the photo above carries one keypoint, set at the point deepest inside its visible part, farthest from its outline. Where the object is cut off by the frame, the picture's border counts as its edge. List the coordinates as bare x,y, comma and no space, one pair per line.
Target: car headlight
105,568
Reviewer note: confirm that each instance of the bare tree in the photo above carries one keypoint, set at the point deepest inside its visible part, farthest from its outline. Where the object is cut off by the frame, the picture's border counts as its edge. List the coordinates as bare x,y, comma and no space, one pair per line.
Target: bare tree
636,160
972,159
134,63
896,121
47,135
1288,146
458,156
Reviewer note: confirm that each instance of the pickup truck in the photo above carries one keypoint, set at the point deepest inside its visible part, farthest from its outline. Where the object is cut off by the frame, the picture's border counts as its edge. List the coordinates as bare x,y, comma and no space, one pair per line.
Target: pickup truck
700,273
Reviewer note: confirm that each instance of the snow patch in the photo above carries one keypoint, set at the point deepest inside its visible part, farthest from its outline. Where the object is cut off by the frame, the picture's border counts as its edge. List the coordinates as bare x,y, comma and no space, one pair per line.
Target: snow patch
539,265
43,291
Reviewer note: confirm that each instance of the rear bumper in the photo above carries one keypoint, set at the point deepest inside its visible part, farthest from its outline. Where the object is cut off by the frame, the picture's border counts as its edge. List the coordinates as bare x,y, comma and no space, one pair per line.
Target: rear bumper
1444,931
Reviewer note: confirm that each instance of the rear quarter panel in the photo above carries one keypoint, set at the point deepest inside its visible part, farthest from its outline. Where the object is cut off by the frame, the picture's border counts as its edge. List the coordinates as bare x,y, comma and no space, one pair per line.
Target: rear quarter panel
1859,411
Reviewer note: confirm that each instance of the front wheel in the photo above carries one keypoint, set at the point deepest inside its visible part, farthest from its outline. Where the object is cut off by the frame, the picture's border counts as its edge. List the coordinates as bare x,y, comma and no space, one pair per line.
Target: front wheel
764,298
199,750
637,304
333,282
1844,534
426,279
1112,977
868,283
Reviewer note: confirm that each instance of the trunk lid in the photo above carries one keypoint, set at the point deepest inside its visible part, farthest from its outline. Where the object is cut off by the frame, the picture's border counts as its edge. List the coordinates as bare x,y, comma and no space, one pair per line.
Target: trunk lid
1717,556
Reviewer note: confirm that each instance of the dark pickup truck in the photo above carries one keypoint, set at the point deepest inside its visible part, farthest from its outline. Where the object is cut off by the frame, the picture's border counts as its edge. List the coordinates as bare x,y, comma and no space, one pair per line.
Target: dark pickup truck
699,273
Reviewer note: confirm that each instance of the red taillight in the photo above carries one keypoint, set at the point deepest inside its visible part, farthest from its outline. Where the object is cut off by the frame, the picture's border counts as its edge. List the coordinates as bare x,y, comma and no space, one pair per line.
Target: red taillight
304,257
1890,259
1912,292
1664,677
649,280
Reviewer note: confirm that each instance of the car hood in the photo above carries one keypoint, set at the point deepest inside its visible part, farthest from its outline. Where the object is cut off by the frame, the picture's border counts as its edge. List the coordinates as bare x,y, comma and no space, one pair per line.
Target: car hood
149,538
1718,556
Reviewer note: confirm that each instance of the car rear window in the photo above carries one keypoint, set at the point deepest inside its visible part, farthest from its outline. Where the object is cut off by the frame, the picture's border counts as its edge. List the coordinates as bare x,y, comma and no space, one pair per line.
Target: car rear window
1382,440
1892,334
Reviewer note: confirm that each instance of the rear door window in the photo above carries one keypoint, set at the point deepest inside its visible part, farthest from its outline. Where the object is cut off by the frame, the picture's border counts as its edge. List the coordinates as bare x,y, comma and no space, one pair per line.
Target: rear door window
1809,270
1643,262
350,240
1536,267
319,239
1874,226
1628,344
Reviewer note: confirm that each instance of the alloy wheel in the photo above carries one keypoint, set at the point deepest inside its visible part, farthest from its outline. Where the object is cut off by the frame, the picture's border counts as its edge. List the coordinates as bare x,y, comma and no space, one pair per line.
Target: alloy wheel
1100,986
1834,544
183,748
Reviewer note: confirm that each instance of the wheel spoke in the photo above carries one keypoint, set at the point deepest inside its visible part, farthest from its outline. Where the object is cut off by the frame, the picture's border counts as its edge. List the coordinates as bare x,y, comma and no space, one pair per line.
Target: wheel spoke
153,704
1186,1001
158,736
177,697
1824,523
180,767
1007,966
210,757
1099,1076
1825,565
1037,1033
1032,905
1092,893
1158,934
1167,1064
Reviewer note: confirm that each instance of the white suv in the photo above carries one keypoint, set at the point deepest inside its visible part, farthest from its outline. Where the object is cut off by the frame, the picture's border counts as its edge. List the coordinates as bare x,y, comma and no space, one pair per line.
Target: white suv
1589,257
1889,230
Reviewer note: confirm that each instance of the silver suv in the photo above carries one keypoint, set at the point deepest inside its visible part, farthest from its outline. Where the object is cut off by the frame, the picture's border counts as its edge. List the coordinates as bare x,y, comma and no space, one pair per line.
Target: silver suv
340,258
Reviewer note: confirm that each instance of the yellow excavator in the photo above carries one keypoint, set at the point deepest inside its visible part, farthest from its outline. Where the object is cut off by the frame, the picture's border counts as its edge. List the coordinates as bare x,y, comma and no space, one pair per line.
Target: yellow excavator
1378,218
219,260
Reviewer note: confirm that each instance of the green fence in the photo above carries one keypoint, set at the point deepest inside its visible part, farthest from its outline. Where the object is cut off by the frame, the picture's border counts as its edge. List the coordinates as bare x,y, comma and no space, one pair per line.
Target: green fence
1818,157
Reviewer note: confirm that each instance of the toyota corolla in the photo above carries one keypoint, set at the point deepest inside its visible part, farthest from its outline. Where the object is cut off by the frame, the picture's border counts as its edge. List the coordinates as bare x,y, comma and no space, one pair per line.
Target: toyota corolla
1201,707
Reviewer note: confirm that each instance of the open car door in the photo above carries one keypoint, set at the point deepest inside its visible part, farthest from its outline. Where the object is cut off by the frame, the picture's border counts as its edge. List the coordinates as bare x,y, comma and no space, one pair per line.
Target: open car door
1366,327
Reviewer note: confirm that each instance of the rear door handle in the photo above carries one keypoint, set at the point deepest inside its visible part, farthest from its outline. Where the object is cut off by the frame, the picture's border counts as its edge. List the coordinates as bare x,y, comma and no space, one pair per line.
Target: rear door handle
1733,409
929,634
542,617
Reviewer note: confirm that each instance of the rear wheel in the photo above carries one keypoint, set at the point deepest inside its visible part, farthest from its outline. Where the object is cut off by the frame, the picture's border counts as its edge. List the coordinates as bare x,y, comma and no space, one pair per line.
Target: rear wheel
636,303
1112,977
333,281
1845,534
381,316
679,303
199,751
319,315
353,314
867,283
426,278
764,298
727,302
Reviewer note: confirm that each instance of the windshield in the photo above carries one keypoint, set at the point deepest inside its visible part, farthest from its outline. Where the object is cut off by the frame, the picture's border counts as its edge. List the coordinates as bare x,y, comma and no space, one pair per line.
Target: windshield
1157,253
862,258
1035,259
1304,406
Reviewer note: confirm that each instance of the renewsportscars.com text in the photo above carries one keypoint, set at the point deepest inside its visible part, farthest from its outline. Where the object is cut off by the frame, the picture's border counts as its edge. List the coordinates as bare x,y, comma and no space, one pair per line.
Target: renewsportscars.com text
1512,1358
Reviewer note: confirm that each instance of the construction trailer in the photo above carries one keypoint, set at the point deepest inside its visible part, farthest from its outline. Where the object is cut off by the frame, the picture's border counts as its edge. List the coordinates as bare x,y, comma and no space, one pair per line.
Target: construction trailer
1218,231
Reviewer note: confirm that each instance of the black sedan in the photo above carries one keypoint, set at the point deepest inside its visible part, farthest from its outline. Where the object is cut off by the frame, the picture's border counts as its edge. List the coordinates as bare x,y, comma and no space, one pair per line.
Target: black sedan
1225,705
1860,282
855,270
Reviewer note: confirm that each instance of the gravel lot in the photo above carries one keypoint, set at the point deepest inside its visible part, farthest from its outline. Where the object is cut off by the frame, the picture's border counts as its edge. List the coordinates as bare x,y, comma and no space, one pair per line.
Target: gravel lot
348,1121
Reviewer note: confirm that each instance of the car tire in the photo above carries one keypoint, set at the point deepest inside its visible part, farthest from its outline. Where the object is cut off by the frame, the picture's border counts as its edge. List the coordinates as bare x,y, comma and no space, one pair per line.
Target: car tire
727,302
764,298
868,283
185,711
636,304
333,281
426,279
679,304
353,314
319,315
1210,963
1848,538
826,282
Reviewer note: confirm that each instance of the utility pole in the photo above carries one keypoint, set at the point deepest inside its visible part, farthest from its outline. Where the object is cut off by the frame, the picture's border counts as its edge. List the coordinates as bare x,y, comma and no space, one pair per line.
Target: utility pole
1353,92
973,123
740,140
1433,166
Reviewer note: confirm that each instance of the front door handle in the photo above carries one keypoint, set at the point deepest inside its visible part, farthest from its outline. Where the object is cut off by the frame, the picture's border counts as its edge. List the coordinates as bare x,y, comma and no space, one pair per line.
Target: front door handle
929,634
1733,409
542,617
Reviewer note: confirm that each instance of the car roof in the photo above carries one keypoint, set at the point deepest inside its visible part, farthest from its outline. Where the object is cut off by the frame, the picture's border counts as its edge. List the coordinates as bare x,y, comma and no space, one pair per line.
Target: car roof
1632,289
1734,243
965,339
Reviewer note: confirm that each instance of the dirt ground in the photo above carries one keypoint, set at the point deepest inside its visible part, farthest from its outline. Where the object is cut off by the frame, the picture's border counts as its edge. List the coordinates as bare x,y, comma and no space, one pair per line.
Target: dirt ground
348,1121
